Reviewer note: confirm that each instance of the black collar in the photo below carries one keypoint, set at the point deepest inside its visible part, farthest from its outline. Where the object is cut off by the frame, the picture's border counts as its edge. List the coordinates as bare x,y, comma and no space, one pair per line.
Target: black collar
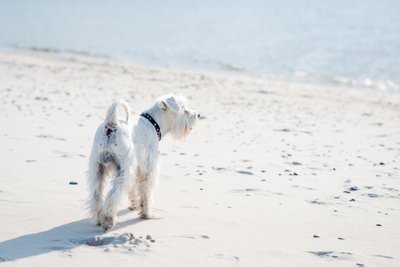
153,122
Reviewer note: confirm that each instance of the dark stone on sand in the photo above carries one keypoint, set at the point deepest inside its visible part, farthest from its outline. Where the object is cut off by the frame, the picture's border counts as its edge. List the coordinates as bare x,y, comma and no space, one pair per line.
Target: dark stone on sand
148,237
352,200
283,130
340,238
316,236
295,163
295,174
378,224
153,241
73,183
201,189
353,188
347,192
381,163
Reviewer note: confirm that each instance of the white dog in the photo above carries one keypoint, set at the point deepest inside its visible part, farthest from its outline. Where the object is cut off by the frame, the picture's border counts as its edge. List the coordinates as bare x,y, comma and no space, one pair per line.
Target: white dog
133,158
111,155
169,115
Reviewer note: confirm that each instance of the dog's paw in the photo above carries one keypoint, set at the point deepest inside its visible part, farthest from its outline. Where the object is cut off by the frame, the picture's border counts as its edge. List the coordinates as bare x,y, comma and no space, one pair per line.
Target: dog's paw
99,219
147,215
108,222
133,207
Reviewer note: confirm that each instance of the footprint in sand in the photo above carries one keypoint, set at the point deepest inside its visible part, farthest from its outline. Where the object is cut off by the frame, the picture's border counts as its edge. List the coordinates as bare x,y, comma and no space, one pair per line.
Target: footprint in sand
332,254
226,257
50,137
121,242
245,172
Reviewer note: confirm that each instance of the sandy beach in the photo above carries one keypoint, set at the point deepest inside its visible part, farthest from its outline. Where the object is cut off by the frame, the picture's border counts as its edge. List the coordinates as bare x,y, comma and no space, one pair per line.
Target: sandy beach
276,173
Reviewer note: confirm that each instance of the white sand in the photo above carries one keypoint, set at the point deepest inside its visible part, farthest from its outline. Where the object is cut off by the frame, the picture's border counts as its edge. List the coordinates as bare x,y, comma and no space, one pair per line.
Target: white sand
266,170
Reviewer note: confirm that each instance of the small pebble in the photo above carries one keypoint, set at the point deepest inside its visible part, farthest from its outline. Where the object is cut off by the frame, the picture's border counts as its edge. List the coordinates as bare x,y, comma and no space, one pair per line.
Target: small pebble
153,241
381,163
378,224
352,200
148,237
340,238
73,183
316,236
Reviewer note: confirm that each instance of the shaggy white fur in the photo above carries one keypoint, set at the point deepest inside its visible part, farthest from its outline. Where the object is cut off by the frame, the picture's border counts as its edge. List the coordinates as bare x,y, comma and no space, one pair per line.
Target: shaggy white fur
111,155
173,117
132,157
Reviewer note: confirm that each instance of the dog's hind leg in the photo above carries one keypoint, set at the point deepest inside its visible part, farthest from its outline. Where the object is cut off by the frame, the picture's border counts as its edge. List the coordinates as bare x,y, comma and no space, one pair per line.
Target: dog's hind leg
96,180
121,184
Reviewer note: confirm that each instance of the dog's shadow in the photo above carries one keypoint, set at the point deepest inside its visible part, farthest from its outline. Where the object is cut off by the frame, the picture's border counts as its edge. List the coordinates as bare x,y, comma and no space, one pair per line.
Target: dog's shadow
61,238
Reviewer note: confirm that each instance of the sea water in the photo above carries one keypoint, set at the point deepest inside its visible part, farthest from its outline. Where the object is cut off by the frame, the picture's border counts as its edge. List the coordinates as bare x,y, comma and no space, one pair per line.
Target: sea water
351,42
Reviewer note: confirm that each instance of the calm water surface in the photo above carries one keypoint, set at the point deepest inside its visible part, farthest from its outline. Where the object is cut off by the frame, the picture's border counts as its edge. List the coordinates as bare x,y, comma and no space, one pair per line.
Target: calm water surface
344,41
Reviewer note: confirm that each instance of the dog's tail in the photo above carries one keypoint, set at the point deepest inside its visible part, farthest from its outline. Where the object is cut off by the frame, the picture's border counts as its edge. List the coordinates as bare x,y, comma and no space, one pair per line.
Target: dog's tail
112,118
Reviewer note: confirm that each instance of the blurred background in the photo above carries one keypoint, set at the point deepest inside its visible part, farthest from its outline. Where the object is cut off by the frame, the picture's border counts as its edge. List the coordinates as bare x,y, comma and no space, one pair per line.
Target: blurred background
350,42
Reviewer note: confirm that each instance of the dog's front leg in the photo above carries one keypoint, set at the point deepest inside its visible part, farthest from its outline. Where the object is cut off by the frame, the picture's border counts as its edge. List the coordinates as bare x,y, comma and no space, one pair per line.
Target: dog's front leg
133,197
147,186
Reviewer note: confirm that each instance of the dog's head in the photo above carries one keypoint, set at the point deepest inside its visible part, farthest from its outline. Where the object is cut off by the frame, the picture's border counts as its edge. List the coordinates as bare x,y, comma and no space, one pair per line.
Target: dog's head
179,118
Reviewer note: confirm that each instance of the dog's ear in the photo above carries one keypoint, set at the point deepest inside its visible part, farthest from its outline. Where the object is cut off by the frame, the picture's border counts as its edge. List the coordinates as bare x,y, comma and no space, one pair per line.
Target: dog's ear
170,102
